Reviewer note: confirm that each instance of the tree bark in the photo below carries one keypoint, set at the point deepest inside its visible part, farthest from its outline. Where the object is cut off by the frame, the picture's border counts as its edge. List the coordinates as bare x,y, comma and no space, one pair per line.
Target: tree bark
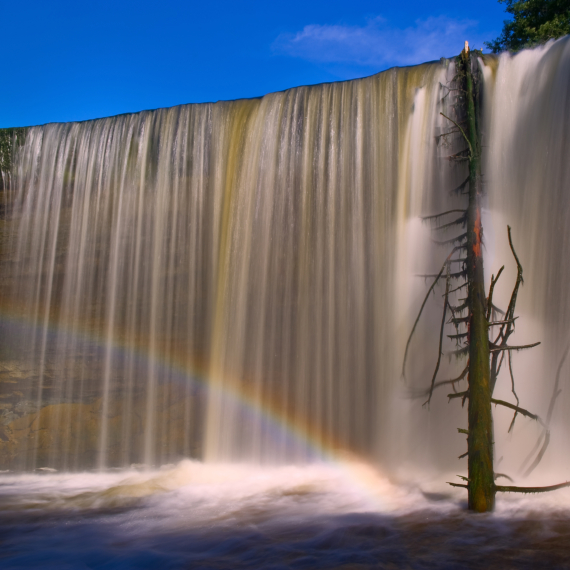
481,484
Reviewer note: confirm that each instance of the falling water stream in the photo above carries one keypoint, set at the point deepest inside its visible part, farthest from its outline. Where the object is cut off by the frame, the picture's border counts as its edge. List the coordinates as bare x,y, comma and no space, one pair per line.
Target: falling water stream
204,315
218,281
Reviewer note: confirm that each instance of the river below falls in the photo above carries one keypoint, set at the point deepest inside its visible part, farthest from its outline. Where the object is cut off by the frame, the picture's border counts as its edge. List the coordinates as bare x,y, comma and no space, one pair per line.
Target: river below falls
197,516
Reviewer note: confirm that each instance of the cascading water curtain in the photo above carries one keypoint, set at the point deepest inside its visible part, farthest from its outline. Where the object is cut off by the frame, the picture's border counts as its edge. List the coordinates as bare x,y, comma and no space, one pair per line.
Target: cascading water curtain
527,175
221,281
235,281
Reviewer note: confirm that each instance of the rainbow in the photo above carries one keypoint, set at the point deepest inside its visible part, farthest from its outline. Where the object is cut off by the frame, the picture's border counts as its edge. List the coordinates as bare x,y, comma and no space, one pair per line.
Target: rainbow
183,369
317,446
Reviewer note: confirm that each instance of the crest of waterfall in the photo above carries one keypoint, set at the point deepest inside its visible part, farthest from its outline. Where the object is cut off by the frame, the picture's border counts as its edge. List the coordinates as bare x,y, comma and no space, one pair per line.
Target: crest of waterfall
234,281
221,280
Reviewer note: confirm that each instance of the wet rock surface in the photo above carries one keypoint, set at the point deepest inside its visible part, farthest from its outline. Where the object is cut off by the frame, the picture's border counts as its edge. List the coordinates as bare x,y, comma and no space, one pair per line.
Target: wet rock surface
63,430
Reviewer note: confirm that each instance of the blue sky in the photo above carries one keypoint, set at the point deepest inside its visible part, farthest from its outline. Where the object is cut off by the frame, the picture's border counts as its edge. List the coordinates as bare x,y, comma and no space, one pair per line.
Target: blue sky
76,60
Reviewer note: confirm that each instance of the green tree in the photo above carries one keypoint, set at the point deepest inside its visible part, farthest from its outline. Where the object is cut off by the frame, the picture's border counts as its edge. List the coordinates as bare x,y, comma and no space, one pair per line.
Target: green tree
10,139
535,22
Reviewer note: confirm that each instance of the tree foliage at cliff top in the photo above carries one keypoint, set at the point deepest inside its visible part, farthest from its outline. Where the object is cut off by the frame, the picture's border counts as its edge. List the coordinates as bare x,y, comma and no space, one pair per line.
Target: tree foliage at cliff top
535,22
8,138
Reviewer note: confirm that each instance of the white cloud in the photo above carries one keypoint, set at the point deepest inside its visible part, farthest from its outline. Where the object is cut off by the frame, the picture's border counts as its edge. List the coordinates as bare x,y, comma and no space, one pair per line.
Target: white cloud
376,44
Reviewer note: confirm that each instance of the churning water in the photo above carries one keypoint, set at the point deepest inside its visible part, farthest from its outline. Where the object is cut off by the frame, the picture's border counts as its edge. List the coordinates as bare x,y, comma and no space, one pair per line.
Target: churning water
238,517
226,290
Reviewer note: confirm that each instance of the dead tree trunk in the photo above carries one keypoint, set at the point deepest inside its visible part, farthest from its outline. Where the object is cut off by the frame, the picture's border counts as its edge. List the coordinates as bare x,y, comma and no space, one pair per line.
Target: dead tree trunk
485,356
481,485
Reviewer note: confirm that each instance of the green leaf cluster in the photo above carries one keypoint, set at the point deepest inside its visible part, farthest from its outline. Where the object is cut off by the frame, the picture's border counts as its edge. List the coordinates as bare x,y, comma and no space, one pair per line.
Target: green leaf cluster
9,138
534,22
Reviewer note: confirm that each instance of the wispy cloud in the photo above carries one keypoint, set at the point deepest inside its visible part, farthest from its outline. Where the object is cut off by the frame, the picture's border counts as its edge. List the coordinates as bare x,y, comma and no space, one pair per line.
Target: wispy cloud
377,44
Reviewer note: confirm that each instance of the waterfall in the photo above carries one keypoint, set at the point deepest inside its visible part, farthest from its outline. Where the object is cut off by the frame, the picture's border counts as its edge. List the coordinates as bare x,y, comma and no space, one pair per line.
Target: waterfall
235,281
527,172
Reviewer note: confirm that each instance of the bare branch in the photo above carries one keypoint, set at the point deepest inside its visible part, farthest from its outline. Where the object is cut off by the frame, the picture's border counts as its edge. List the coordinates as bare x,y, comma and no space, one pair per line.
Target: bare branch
518,409
456,275
507,329
461,352
445,382
540,455
495,323
502,489
461,308
500,311
533,450
458,395
519,266
500,364
425,218
421,310
513,390
555,393
457,239
452,88
456,222
522,347
462,132
495,369
499,475
451,132
460,287
491,289
460,187
440,352
457,336
458,156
